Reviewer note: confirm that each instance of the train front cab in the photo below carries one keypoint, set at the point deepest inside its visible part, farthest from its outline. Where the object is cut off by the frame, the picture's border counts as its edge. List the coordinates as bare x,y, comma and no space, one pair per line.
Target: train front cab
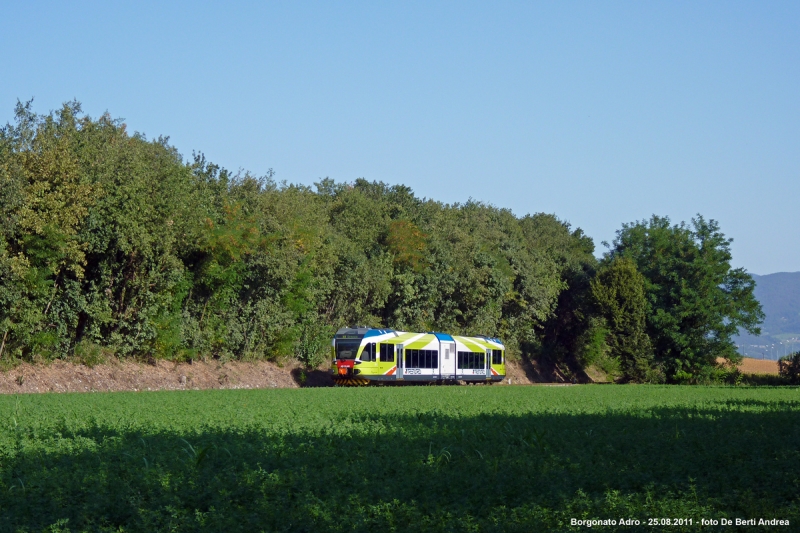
346,349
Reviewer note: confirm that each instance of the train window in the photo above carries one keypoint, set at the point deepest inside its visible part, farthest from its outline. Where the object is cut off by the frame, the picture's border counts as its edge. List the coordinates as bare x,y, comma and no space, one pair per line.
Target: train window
387,353
346,349
422,359
369,352
497,357
471,360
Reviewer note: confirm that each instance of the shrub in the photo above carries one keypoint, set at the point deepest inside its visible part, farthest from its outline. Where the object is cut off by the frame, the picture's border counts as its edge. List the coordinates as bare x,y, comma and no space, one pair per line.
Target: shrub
789,367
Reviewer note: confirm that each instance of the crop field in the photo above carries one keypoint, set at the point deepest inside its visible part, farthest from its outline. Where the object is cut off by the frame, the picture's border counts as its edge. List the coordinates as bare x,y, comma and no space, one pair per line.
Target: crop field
758,366
399,459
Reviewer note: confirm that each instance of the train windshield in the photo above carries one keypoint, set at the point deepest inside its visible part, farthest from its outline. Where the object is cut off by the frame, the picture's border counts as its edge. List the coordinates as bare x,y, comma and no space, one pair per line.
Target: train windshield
346,348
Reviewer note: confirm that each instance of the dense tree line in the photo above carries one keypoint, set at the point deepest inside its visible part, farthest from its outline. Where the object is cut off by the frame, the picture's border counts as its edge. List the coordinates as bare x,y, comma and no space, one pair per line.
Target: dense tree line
113,241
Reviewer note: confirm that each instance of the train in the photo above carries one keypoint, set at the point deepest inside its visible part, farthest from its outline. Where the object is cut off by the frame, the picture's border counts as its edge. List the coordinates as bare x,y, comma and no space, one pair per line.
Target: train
370,356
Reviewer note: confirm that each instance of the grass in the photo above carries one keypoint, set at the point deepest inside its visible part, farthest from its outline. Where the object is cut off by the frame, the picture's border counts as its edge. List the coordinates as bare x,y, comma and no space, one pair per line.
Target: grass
398,459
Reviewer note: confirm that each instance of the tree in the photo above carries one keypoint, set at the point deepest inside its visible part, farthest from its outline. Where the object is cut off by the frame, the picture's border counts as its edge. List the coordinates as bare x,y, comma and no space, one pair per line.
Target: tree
564,332
44,202
789,367
697,301
108,238
619,292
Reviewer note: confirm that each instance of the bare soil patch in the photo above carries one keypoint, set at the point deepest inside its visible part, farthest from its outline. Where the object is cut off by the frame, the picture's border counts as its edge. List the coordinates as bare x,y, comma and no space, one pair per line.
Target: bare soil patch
63,376
115,375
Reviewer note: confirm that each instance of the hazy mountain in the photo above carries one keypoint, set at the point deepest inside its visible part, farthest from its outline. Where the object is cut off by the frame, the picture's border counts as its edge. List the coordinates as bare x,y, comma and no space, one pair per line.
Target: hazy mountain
779,295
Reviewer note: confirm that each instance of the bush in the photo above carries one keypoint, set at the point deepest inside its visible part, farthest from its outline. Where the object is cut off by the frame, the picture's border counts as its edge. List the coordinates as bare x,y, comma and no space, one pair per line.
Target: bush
89,353
789,367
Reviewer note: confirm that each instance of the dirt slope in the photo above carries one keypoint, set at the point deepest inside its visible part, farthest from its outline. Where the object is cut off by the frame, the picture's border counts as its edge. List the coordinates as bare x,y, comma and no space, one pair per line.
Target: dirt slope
62,376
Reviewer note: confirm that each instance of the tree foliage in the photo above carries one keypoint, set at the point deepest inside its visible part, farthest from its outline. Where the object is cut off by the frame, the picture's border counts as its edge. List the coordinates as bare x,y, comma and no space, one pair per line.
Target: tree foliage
112,239
567,335
619,292
697,301
789,367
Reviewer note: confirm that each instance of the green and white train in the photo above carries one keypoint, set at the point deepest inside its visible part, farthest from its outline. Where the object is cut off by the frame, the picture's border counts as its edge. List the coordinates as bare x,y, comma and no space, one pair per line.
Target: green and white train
364,355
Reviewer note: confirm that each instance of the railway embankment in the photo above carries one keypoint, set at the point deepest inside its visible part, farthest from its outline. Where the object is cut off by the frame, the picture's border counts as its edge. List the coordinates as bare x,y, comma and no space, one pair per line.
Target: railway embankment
126,375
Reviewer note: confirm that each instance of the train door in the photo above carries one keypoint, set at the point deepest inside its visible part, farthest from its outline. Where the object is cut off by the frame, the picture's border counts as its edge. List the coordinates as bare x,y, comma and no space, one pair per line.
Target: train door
488,363
447,361
369,358
400,365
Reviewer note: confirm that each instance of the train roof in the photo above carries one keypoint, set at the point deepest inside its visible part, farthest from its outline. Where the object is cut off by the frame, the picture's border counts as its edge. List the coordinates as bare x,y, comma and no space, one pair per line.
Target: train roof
354,330
493,339
362,331
365,332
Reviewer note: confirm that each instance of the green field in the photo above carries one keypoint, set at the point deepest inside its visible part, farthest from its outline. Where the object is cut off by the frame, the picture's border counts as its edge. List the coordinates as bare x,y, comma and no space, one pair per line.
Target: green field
398,459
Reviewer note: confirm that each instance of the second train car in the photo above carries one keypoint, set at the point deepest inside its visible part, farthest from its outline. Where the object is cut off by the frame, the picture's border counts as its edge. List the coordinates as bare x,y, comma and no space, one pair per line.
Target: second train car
364,355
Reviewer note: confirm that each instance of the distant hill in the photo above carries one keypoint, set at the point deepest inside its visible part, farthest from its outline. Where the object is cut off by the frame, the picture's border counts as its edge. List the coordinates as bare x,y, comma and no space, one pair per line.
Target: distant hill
779,295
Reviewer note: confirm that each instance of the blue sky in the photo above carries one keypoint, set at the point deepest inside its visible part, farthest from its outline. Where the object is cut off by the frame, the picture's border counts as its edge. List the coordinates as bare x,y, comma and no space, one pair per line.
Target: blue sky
599,112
